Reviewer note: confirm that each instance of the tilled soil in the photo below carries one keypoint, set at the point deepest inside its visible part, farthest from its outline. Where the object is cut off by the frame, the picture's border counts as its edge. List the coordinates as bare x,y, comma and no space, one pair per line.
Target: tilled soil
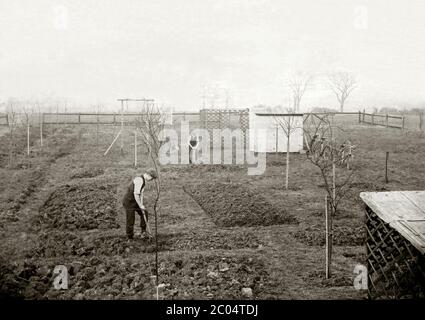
17,198
188,277
31,279
214,277
53,243
82,206
29,174
18,143
86,173
337,279
342,236
232,204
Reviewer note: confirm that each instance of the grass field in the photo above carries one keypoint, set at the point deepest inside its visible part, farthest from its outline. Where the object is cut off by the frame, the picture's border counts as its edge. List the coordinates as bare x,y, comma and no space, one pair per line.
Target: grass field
62,207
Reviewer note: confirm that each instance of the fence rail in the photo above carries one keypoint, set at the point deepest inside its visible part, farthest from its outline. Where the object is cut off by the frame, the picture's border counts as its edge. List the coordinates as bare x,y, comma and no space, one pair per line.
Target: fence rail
4,120
407,121
385,120
90,118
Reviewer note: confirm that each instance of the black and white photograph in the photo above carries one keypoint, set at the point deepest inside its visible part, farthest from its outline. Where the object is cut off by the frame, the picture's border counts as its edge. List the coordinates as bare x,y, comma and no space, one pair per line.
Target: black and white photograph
219,150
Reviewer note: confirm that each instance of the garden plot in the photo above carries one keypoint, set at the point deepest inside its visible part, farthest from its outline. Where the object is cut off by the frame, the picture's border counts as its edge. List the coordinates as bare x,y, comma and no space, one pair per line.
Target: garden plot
81,206
86,173
232,204
14,281
17,192
339,278
63,244
342,235
187,277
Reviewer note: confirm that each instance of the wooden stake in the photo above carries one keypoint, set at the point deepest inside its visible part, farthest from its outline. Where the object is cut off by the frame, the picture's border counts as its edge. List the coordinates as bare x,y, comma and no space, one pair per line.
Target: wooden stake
97,128
41,130
106,152
287,161
386,166
277,137
28,136
333,182
135,148
327,238
122,125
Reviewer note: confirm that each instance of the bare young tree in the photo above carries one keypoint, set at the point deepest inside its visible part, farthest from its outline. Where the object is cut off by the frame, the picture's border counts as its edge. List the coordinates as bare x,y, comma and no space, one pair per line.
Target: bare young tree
27,111
298,84
150,124
342,84
12,121
326,153
97,109
287,122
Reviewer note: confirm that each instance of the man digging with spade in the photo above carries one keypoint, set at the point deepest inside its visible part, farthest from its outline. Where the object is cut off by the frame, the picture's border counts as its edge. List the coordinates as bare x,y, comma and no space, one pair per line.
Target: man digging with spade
133,202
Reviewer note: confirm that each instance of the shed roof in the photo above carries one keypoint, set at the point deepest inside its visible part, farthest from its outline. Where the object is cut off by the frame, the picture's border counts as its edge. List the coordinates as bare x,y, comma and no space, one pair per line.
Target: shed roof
402,210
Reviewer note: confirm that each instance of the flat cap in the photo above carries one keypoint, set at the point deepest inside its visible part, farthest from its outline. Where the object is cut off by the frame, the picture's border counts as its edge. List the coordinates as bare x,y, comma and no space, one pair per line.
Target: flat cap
152,173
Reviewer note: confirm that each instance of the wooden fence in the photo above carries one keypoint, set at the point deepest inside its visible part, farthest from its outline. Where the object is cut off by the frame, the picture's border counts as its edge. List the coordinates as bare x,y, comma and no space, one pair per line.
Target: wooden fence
93,118
408,121
385,120
214,118
4,120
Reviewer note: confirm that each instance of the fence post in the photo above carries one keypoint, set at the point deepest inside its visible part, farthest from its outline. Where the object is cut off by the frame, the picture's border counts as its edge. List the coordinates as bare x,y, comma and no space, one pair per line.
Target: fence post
402,123
373,118
364,111
421,115
41,129
97,128
277,138
360,117
386,120
386,166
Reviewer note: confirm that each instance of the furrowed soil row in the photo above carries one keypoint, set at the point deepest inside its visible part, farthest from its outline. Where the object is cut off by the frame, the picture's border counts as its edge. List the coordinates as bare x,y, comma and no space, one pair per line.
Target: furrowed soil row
232,204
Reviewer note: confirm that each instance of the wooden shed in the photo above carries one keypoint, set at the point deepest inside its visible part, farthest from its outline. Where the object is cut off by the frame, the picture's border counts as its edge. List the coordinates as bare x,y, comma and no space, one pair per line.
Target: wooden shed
395,244
267,135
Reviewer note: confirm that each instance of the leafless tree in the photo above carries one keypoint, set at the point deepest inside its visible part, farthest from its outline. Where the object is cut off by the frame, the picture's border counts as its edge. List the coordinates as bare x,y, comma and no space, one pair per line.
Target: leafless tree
97,109
150,123
12,119
326,153
288,125
27,111
342,84
298,84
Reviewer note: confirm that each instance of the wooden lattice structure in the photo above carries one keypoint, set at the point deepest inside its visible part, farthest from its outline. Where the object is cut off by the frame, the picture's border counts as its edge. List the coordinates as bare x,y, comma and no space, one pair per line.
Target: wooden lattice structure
224,118
395,244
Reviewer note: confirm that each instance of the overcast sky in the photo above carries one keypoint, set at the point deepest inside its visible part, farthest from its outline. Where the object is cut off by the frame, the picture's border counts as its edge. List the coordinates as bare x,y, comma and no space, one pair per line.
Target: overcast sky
98,51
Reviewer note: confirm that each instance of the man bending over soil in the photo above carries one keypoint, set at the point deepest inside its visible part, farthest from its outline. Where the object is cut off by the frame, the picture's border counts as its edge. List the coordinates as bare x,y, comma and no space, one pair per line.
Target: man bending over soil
133,202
